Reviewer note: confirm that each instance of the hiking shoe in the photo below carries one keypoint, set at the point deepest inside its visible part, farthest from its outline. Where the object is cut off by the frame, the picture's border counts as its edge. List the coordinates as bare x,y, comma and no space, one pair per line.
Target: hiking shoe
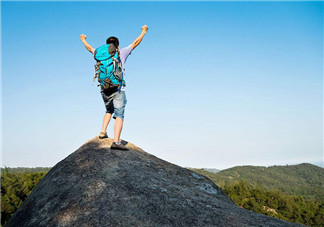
118,146
103,135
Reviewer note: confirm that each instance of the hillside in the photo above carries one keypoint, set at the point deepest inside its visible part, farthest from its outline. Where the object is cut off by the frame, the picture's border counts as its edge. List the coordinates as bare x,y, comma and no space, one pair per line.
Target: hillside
304,179
211,170
99,186
26,169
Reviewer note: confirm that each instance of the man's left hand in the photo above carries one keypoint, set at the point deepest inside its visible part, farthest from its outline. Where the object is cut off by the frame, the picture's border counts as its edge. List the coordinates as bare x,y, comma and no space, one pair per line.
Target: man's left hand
83,37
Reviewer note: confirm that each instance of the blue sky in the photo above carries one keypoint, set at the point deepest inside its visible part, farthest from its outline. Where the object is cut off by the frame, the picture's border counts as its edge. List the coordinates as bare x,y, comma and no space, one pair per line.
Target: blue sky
213,84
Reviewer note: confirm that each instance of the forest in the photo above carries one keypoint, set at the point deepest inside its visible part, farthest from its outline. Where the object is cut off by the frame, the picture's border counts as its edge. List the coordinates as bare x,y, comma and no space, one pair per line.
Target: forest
276,204
15,187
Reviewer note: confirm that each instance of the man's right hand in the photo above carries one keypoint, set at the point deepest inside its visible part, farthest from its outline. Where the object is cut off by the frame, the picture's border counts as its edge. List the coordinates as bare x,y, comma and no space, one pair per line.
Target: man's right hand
144,28
83,37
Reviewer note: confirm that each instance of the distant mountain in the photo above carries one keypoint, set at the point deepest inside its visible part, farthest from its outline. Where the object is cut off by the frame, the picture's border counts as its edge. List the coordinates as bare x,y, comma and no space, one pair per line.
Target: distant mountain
304,179
320,164
211,170
26,169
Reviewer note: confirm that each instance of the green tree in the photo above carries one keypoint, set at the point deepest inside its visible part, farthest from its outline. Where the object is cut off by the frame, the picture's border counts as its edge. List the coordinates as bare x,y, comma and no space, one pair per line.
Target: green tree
15,187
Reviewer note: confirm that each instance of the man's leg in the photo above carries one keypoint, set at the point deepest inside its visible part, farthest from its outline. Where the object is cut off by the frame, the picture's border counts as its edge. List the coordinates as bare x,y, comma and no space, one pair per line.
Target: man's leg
119,109
108,100
105,122
118,128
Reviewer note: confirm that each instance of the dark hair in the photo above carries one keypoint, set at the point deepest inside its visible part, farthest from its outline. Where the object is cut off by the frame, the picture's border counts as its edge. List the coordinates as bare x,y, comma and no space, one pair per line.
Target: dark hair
113,40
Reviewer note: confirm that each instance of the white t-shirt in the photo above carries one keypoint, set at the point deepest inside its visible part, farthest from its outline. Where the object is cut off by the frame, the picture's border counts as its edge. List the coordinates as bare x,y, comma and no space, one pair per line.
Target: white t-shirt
123,54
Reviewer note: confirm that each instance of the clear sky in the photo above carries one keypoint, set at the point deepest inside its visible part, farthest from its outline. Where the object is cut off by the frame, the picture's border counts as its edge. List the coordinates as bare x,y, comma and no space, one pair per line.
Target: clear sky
213,84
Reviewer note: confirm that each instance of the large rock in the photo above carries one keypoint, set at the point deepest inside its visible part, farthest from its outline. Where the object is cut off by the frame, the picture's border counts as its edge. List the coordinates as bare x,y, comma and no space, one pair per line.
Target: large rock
97,186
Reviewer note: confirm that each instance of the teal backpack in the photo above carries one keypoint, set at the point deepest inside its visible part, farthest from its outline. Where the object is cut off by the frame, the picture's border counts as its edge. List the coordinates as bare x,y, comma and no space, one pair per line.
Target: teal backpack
108,68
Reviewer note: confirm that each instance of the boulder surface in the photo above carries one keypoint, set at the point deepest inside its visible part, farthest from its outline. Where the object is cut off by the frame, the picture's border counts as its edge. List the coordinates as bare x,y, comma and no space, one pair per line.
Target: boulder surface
97,186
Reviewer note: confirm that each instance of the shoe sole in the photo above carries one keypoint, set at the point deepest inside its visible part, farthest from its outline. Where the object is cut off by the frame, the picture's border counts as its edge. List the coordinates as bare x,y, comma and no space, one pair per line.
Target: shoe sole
119,148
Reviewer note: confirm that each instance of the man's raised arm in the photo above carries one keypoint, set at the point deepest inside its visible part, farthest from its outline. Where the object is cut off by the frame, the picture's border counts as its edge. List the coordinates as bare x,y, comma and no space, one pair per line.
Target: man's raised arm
87,45
138,40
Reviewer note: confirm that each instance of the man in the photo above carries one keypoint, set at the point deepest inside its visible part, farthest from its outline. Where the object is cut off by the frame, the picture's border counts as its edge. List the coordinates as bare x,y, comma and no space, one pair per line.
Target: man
115,101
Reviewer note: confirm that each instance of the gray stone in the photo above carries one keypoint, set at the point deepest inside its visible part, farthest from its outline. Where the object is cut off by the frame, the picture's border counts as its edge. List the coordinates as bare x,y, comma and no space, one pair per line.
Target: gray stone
96,186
